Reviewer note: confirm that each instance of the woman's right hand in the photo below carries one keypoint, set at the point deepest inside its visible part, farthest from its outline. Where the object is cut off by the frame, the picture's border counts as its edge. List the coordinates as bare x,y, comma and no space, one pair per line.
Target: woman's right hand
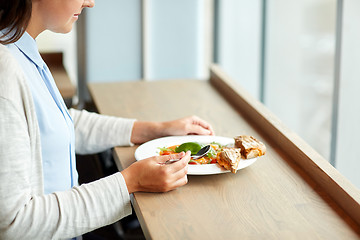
153,175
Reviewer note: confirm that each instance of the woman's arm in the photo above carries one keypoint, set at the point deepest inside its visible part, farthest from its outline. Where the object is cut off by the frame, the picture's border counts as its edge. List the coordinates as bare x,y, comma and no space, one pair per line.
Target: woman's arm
95,133
25,212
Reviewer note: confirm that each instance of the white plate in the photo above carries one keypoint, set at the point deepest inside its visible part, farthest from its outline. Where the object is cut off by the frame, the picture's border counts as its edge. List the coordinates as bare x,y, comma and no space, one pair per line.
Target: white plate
151,148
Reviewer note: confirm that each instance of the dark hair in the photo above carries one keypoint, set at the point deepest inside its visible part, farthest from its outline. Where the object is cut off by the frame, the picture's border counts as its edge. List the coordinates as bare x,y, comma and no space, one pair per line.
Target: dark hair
14,18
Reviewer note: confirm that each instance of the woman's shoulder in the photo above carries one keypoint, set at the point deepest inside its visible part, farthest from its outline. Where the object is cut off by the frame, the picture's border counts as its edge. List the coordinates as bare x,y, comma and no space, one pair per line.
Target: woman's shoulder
12,79
8,64
5,55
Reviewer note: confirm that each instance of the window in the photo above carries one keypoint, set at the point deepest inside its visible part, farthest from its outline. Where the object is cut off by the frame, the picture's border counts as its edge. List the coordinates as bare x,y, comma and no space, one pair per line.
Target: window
348,114
299,58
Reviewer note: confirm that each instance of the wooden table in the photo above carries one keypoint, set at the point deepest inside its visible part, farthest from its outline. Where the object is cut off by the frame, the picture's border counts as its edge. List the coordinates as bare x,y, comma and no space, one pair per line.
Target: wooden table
290,193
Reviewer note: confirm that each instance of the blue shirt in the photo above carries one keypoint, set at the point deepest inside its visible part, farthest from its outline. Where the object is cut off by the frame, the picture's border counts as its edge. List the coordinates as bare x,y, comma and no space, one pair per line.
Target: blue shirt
55,123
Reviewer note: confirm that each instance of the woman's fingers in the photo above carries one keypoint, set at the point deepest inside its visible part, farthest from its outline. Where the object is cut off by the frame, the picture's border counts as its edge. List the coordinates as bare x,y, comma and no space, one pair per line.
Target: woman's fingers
165,158
176,179
180,182
180,173
202,127
199,130
153,175
175,174
187,125
181,164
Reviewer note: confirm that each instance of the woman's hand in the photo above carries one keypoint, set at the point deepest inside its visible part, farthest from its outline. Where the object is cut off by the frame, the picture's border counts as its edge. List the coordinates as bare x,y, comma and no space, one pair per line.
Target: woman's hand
187,126
145,131
153,175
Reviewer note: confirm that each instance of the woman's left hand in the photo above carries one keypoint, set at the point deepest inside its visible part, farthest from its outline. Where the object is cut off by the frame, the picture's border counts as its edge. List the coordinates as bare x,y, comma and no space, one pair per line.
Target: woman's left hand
188,125
145,131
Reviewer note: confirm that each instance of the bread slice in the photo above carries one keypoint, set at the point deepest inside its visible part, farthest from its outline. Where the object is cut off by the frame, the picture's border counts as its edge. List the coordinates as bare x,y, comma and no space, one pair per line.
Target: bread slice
250,146
229,158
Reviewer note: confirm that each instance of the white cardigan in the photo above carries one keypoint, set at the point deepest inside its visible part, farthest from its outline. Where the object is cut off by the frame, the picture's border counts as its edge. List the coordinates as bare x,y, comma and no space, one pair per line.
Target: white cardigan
25,212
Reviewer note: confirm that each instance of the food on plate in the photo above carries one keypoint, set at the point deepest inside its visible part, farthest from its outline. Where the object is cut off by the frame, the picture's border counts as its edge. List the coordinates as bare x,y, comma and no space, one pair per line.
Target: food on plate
229,158
194,147
250,146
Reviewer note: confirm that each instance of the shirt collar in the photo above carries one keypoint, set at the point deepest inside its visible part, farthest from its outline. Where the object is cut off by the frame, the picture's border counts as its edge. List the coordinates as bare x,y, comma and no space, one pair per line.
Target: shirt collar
27,45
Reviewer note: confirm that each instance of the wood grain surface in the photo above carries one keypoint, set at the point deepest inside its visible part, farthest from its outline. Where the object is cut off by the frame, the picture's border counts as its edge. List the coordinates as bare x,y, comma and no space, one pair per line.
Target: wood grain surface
275,198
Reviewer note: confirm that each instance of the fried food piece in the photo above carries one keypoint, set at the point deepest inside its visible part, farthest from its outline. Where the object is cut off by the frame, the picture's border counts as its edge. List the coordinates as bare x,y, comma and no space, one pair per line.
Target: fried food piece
229,158
250,146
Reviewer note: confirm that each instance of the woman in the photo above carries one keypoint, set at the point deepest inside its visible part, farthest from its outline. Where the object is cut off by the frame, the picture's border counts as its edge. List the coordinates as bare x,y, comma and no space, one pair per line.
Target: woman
39,196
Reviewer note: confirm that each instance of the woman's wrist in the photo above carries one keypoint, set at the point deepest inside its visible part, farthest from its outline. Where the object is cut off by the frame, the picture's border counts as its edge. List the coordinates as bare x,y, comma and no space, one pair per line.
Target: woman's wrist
131,183
145,131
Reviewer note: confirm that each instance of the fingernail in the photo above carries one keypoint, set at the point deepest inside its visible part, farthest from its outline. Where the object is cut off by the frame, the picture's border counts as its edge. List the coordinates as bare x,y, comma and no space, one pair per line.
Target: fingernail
182,153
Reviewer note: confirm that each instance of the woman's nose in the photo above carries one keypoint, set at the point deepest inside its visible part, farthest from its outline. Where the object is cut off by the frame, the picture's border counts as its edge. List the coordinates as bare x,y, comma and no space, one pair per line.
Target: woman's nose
88,3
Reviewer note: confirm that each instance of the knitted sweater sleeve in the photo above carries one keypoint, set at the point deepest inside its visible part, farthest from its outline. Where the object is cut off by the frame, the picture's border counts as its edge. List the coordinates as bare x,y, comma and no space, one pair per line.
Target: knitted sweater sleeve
96,133
25,214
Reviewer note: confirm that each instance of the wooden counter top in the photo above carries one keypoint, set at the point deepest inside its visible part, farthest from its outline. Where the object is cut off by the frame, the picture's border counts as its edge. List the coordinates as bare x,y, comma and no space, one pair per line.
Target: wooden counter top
290,193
